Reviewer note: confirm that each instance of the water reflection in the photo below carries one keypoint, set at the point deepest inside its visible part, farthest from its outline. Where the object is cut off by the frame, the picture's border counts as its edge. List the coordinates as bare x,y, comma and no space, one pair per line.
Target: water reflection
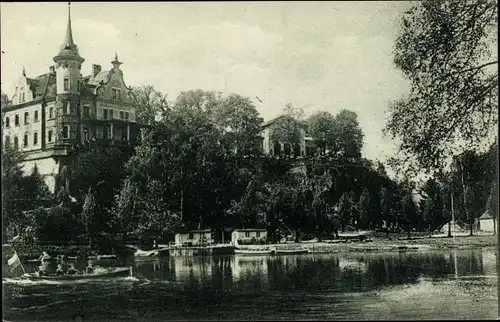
353,272
416,285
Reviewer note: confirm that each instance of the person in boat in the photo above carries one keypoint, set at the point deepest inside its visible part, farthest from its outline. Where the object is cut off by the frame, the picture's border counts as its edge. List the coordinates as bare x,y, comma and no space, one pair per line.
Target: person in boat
48,265
72,270
63,266
90,268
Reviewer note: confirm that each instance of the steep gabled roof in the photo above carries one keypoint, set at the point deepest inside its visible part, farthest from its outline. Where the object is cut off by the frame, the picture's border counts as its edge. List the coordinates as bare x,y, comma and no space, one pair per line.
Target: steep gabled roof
44,84
103,76
486,215
272,121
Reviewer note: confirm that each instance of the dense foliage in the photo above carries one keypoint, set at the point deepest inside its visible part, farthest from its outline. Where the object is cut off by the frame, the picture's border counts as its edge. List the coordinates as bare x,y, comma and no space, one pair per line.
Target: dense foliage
195,169
447,50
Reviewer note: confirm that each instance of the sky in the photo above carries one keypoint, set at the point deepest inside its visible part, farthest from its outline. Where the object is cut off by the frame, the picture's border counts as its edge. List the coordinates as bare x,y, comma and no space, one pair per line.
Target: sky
322,56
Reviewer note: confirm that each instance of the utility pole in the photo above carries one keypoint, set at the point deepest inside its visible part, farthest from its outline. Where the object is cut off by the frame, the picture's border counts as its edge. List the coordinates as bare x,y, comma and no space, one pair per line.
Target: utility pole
452,211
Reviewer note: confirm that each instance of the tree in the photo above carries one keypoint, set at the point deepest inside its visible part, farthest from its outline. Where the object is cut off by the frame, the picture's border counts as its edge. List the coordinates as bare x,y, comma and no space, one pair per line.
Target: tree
288,128
322,127
444,48
151,105
345,209
349,135
409,210
88,215
385,205
492,203
100,167
20,193
364,209
124,207
239,122
433,209
12,183
469,207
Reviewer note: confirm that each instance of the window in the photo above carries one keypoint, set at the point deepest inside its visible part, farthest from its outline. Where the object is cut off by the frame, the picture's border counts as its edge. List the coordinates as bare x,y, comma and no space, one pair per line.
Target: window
26,117
7,140
51,112
65,132
66,110
16,120
21,98
105,113
49,136
25,140
7,121
126,116
117,93
16,142
35,118
110,114
257,234
78,85
85,134
124,134
247,234
191,236
122,116
35,138
105,132
86,111
66,84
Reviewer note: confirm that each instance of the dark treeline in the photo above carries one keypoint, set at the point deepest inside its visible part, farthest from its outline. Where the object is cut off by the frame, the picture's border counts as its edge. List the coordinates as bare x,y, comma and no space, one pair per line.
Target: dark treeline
199,165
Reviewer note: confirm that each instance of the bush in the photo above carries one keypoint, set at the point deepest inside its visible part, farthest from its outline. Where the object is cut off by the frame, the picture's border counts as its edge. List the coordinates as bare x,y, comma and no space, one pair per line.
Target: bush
55,223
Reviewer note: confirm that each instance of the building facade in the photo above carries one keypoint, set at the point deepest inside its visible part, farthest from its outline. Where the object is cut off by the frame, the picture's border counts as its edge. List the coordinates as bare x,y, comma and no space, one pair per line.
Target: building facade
306,146
52,113
194,238
247,236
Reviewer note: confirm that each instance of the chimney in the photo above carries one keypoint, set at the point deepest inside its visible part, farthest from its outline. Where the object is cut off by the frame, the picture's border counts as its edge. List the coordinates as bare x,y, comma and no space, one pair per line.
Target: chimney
96,69
52,69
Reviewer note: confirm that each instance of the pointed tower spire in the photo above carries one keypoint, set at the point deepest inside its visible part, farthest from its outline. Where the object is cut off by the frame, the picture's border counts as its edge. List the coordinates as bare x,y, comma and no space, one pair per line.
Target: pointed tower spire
116,63
24,71
68,41
68,48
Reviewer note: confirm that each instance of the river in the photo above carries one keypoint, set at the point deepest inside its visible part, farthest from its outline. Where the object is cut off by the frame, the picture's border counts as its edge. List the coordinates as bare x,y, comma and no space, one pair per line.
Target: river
451,284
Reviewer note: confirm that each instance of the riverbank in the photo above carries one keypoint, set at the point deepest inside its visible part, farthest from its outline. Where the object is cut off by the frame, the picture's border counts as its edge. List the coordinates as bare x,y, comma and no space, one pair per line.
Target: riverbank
384,244
378,243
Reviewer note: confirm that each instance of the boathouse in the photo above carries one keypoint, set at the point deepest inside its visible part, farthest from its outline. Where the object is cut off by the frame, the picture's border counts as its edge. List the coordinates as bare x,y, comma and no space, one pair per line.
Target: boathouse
249,236
486,222
194,238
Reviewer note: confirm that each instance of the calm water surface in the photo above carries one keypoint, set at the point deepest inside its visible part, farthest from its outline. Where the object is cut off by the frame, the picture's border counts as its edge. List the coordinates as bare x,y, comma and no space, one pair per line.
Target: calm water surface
419,285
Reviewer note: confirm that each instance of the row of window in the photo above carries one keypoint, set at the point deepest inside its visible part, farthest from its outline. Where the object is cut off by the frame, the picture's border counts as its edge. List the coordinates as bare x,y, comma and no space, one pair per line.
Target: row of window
107,114
50,137
65,135
26,119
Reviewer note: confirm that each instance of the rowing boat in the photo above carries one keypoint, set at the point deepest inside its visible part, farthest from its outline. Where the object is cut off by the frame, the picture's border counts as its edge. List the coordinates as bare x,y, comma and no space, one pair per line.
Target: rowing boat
114,272
142,253
239,251
291,251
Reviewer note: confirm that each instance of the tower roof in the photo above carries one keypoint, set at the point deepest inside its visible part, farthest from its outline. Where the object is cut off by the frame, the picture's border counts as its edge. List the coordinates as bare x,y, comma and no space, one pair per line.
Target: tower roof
116,62
68,48
68,40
